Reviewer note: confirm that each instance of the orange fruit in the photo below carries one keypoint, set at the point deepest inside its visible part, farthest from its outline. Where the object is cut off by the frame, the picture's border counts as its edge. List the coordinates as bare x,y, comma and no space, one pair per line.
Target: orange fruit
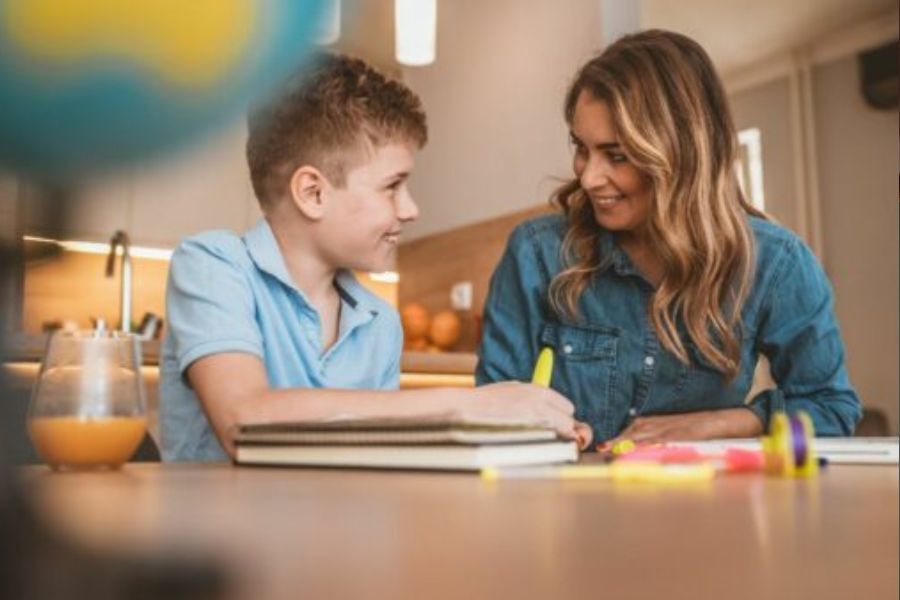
445,329
415,321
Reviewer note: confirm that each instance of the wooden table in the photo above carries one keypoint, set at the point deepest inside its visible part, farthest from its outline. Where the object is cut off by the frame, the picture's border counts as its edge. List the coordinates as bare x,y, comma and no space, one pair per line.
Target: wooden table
286,533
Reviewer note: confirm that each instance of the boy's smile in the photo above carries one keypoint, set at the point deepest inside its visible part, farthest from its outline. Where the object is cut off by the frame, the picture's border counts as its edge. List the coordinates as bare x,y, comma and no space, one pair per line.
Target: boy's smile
364,219
393,237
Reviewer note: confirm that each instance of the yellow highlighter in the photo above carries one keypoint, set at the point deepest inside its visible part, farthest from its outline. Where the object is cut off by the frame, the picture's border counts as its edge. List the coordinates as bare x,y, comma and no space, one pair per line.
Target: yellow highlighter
619,473
543,368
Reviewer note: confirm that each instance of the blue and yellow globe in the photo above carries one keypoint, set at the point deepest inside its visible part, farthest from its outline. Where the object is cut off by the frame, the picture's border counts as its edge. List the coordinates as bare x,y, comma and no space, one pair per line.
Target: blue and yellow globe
86,85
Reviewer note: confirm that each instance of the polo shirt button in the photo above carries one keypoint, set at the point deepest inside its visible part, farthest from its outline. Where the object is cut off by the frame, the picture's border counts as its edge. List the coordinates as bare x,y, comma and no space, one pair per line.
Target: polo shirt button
567,349
648,360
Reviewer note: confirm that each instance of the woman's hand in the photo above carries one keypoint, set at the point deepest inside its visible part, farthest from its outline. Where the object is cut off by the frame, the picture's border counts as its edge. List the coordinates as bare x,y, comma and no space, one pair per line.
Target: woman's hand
703,425
524,403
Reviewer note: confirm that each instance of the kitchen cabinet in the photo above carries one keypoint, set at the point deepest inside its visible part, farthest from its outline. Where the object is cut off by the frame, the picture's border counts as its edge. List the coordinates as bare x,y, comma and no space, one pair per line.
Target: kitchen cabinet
9,192
199,188
158,202
9,273
95,208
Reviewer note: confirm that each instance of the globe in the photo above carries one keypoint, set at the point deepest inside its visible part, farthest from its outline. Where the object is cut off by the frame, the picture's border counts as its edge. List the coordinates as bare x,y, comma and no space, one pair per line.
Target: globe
86,85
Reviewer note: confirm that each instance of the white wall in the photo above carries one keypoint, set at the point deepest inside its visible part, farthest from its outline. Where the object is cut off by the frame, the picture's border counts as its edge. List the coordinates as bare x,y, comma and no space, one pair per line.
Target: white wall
494,100
205,185
767,107
858,162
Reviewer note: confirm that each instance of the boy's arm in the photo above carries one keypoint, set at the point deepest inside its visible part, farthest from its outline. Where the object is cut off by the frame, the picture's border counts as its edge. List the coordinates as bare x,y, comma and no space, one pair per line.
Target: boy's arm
233,390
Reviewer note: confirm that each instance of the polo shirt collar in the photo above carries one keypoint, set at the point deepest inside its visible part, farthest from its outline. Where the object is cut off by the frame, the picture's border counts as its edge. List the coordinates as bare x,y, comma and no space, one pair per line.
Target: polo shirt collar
266,255
356,298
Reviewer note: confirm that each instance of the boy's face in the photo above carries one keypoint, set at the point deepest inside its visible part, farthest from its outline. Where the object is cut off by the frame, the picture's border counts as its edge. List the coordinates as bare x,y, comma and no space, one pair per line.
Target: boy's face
363,220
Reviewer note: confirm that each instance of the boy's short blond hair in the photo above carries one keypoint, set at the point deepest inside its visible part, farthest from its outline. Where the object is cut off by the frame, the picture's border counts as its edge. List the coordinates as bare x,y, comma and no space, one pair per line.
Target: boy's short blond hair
329,116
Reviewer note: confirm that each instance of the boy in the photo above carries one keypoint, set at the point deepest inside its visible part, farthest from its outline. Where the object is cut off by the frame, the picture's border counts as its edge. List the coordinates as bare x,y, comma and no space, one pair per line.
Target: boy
261,325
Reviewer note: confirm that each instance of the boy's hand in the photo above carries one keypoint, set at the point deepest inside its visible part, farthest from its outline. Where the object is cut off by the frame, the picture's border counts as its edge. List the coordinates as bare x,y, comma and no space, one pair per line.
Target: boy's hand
583,435
527,404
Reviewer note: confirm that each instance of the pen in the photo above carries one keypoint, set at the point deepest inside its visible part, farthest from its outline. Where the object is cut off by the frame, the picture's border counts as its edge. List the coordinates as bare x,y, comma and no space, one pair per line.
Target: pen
547,472
543,372
618,472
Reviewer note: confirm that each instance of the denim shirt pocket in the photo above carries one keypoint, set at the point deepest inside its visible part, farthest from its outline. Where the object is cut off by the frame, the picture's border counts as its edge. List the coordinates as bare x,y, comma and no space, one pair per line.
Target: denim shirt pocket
584,367
703,386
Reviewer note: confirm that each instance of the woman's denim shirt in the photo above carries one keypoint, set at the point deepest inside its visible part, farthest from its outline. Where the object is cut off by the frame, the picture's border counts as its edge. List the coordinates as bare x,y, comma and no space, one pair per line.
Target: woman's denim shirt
611,364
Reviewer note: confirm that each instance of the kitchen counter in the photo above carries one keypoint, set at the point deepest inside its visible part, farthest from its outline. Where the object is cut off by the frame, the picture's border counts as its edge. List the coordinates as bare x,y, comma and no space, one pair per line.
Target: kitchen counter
30,348
456,363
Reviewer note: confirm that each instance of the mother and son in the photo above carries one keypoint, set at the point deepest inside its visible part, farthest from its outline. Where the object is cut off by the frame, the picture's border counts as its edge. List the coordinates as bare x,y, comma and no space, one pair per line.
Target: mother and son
656,283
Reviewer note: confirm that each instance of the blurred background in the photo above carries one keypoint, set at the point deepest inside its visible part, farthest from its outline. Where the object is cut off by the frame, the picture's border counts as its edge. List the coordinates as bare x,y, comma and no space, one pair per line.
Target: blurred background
813,86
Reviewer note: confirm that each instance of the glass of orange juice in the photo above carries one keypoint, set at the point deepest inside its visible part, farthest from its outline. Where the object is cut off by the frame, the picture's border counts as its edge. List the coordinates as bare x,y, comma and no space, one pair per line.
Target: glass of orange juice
87,407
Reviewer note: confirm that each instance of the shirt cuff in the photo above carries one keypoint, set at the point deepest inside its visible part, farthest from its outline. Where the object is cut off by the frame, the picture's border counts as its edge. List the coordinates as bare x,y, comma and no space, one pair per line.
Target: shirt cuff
765,404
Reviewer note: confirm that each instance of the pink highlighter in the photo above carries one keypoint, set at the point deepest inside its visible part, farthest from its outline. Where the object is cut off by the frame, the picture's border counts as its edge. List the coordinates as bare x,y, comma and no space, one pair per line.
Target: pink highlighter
733,460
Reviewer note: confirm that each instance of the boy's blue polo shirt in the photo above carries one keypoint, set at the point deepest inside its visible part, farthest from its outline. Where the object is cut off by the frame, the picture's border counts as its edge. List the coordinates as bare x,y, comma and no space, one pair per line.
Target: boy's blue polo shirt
227,293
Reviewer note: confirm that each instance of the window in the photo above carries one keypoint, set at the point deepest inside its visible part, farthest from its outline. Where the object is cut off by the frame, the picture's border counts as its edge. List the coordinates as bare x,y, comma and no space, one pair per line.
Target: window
749,167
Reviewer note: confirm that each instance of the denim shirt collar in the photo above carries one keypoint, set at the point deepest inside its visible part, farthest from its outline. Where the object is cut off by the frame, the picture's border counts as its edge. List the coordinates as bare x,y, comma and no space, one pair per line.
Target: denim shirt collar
266,255
613,257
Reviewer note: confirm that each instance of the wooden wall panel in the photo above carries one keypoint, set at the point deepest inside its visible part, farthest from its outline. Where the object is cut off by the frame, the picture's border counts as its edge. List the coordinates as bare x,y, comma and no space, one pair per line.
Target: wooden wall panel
73,285
429,267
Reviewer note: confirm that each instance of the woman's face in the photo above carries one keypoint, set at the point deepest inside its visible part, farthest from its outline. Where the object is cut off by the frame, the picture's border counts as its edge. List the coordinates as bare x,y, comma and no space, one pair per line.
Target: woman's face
620,194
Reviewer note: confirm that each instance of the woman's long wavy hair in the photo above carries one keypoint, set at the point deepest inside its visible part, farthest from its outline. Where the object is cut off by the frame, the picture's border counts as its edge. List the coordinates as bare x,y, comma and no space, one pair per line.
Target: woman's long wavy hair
674,124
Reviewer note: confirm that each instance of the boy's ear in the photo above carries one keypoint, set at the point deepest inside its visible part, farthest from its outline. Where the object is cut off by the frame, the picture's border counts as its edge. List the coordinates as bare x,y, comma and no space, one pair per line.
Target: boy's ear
307,186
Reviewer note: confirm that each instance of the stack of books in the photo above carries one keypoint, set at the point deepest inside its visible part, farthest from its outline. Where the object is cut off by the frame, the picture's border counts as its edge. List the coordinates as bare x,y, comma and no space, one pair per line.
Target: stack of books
401,444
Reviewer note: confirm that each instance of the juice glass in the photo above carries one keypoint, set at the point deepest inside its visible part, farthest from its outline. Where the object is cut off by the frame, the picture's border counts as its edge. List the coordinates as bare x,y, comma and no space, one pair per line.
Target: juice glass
87,407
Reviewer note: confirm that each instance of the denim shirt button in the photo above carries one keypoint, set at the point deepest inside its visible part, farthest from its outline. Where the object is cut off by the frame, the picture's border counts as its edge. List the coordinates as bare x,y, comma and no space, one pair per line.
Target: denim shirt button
648,360
632,412
567,349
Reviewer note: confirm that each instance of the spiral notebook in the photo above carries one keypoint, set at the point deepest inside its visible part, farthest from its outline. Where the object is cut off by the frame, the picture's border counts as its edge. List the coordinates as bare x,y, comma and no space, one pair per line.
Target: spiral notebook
401,444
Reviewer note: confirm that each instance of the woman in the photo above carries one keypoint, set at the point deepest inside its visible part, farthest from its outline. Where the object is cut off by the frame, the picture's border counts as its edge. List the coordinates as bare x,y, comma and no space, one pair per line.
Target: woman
659,285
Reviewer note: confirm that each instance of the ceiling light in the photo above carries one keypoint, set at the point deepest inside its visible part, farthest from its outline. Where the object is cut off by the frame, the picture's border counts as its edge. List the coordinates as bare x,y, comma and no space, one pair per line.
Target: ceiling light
415,26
